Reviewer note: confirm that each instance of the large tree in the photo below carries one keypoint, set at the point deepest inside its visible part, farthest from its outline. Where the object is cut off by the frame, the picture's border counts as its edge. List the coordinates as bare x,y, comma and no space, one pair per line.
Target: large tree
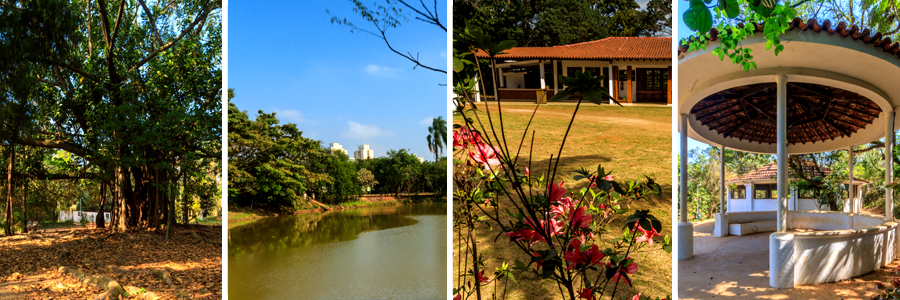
131,87
437,136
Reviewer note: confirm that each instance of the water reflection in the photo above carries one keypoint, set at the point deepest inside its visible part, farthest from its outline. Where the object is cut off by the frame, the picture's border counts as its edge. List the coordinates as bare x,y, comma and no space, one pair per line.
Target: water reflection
370,253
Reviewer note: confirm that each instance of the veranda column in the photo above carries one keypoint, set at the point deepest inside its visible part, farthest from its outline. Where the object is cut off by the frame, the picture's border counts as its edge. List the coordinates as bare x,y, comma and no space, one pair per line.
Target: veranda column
630,91
781,243
721,228
851,201
615,76
611,77
501,83
749,194
889,167
478,89
722,179
781,156
685,228
555,78
541,70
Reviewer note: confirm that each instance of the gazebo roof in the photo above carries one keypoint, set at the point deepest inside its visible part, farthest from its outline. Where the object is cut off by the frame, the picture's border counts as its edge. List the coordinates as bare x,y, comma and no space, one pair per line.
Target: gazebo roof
770,172
840,81
621,48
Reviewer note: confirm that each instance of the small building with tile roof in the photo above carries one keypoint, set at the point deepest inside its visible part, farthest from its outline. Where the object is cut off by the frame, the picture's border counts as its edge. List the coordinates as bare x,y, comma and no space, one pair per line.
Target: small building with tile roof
756,190
637,69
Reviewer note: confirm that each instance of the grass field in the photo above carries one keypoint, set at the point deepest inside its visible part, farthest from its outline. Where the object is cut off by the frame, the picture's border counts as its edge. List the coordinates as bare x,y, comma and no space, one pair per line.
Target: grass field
631,141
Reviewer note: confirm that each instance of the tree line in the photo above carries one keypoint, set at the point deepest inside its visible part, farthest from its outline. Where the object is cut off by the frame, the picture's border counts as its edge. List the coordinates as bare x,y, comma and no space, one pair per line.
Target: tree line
272,166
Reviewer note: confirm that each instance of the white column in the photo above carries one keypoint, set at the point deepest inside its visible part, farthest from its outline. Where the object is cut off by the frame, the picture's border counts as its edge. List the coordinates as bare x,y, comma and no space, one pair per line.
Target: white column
501,82
683,194
685,228
478,89
851,201
555,78
748,194
889,166
611,85
541,68
722,179
781,156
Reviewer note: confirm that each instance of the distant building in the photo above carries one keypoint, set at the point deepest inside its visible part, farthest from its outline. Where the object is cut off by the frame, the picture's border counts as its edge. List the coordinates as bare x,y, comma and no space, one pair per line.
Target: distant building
363,153
335,147
421,159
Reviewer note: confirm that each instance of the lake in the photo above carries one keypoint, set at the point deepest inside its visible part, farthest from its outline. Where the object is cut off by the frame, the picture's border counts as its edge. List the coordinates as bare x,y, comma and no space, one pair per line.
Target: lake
393,252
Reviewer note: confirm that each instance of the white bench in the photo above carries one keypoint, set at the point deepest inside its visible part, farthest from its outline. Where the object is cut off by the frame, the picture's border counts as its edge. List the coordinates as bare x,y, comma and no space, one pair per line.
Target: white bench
752,227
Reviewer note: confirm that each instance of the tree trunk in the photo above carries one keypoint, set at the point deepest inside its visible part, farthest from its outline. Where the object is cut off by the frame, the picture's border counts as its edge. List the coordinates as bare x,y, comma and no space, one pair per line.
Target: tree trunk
9,190
171,206
101,220
24,204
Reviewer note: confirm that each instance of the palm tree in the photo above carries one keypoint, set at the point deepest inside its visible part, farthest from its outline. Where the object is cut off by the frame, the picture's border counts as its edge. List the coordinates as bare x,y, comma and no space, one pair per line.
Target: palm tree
437,137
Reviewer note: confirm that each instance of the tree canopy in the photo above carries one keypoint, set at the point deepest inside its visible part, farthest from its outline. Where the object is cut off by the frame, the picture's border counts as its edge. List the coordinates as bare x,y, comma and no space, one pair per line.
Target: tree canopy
131,88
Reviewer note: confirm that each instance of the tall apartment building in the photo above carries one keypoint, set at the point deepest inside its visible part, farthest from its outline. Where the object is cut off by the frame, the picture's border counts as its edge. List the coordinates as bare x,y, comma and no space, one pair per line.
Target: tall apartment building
363,153
335,147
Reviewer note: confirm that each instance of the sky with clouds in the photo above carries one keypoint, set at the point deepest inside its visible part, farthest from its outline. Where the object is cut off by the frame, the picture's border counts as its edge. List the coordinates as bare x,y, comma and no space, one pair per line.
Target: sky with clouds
336,85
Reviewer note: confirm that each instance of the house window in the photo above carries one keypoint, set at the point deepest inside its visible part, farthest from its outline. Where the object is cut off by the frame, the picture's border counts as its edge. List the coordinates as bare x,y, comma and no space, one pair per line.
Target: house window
764,191
739,192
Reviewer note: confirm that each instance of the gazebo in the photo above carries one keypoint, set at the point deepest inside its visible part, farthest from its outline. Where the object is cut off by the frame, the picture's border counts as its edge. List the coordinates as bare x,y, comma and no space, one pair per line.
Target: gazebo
831,88
750,199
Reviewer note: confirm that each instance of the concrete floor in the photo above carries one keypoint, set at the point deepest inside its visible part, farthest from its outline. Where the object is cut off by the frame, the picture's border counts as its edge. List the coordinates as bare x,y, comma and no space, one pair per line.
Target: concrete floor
737,267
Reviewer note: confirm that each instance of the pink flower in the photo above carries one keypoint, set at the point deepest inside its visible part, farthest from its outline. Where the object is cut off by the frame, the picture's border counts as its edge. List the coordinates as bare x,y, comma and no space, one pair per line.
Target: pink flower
579,218
482,280
530,236
647,237
586,293
487,156
557,192
636,297
609,178
464,136
620,274
527,172
575,256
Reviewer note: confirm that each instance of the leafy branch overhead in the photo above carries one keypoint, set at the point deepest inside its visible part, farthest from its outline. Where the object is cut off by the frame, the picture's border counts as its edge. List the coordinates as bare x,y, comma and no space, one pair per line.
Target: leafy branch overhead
391,15
734,21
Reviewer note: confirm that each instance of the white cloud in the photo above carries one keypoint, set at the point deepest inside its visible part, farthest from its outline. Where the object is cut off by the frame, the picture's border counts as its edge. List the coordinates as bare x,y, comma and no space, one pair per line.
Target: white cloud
292,116
426,121
381,71
360,131
443,53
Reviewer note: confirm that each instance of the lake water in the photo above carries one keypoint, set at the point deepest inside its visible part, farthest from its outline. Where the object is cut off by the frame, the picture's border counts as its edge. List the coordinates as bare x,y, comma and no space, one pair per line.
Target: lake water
396,252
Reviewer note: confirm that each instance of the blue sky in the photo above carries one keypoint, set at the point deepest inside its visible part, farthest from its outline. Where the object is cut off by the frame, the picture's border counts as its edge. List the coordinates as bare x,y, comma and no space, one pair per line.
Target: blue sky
682,32
337,86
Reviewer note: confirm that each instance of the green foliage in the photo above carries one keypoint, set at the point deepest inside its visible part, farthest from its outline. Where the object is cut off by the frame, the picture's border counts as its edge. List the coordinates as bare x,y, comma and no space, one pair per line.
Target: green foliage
774,17
562,22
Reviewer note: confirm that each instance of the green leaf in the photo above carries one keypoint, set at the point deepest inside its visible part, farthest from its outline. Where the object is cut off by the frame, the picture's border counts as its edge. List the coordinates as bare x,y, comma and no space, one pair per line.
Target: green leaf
768,3
698,20
730,8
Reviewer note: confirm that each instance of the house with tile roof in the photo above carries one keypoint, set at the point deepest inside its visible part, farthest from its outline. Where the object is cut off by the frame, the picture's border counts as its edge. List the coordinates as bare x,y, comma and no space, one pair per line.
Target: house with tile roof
757,190
637,69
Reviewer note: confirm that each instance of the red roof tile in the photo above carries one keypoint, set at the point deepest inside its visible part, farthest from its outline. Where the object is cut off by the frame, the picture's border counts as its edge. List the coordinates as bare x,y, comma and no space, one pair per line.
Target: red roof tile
877,39
609,48
770,172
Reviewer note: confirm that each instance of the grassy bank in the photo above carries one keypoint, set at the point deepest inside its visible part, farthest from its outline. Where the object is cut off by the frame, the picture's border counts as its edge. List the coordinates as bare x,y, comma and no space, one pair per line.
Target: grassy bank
238,216
630,141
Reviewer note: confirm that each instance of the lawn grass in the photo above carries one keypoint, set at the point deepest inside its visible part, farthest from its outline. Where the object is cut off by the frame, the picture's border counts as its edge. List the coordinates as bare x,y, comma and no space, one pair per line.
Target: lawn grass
631,141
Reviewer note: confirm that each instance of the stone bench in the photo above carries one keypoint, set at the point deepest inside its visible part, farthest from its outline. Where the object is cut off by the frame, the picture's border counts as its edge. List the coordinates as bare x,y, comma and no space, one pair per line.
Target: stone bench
744,222
752,227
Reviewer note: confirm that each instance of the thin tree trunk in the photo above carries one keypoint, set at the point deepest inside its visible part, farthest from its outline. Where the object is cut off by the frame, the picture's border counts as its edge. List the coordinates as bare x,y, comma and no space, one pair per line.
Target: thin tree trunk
9,190
101,220
171,206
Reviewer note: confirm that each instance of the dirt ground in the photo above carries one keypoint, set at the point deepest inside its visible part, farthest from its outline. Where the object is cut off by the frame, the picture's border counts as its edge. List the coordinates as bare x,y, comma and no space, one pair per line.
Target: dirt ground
81,263
737,267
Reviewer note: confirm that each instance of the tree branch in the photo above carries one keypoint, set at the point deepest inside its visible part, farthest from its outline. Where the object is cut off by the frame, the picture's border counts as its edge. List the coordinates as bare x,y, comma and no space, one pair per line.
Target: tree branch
202,16
70,147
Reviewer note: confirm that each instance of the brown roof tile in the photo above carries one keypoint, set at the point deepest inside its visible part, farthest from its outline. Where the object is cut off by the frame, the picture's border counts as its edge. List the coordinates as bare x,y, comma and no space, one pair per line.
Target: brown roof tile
876,40
770,172
621,48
